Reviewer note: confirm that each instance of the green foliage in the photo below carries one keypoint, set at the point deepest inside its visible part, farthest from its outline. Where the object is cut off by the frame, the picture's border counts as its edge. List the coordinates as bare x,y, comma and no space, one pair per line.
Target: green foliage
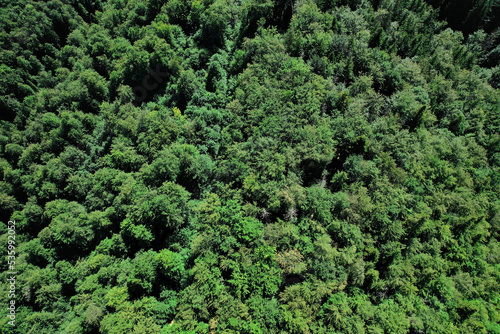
288,167
171,265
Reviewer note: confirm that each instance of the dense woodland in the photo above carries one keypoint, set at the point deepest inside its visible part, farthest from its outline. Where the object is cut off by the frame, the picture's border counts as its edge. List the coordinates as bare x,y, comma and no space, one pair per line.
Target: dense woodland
309,166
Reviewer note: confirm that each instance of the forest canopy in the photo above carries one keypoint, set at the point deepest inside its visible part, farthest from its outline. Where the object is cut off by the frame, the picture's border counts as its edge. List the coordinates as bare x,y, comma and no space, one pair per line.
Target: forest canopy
250,166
